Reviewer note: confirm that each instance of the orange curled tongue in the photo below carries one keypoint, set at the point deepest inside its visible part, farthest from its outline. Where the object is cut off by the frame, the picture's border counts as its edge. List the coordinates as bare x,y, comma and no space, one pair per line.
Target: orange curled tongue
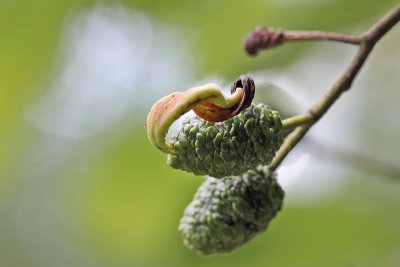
207,102
215,113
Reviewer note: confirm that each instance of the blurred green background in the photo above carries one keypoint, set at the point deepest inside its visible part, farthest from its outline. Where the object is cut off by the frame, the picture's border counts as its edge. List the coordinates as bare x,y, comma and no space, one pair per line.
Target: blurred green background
80,185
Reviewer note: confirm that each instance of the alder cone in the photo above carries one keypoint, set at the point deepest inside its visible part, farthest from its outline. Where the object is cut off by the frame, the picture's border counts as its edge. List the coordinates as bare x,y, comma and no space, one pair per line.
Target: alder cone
226,213
230,147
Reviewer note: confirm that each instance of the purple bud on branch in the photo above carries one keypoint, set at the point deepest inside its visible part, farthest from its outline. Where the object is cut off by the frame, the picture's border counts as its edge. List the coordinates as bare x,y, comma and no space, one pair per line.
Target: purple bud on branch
262,38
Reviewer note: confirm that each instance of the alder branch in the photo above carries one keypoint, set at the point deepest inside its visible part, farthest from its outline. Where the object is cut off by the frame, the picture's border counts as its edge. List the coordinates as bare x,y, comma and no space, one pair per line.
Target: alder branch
367,42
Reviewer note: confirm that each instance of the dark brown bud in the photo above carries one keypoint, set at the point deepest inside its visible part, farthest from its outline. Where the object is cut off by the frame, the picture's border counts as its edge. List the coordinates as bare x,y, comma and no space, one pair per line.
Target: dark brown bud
262,38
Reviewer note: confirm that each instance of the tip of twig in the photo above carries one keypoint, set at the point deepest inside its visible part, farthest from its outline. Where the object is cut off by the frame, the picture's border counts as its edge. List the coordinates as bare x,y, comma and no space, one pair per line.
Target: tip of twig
262,38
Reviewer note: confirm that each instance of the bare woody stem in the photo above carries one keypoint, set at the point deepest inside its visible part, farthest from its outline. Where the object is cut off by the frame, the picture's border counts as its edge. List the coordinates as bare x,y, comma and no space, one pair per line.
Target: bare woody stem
368,41
315,35
263,38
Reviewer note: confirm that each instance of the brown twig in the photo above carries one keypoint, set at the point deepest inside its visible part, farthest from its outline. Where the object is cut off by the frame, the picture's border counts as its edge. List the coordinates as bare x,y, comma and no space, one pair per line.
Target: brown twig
315,35
263,38
368,41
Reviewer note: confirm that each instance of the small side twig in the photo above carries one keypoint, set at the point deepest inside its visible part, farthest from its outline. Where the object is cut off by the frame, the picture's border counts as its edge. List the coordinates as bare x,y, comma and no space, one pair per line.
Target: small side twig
291,123
369,39
316,35
263,38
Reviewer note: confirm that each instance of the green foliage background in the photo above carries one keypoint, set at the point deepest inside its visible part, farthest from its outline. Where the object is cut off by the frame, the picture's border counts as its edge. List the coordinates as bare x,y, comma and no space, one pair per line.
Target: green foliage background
116,202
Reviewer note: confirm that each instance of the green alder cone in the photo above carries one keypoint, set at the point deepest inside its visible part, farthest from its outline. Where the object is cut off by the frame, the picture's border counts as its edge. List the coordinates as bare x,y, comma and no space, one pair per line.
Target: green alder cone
226,213
230,147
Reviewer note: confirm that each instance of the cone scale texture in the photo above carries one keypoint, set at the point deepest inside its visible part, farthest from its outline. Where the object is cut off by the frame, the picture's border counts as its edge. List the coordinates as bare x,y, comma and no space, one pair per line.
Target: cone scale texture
226,213
230,147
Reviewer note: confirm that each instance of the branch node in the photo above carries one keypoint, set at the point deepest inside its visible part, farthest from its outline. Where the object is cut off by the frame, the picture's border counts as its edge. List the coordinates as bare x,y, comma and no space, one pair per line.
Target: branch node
314,115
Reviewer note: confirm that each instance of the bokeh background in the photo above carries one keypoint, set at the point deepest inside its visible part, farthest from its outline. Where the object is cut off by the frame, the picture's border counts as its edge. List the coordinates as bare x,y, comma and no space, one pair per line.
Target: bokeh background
80,185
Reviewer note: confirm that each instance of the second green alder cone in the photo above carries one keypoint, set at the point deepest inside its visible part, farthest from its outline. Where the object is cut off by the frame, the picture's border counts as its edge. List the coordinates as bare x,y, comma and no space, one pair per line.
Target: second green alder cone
230,147
226,213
